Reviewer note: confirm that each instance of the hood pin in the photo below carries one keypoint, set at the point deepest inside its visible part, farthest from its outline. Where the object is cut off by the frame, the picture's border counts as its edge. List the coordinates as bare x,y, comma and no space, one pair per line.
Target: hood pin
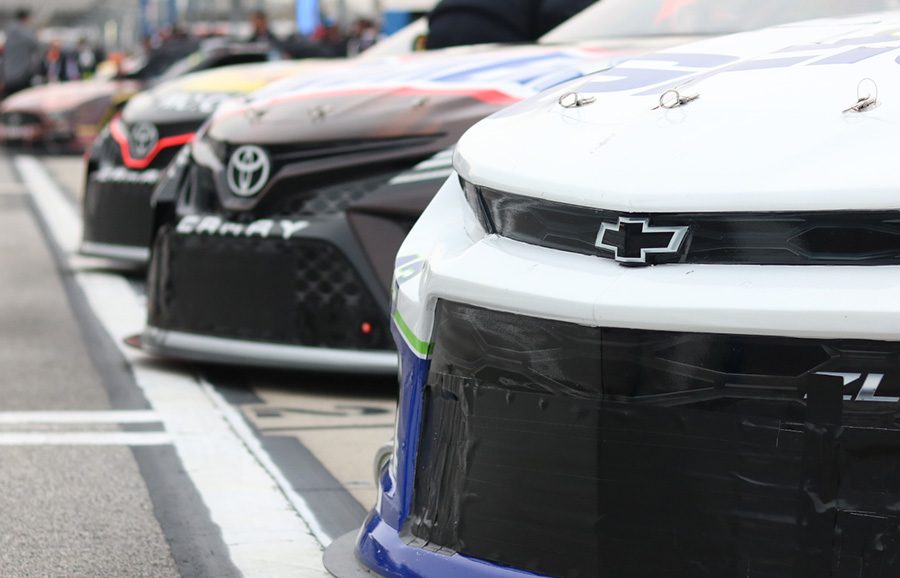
575,100
318,113
673,99
865,100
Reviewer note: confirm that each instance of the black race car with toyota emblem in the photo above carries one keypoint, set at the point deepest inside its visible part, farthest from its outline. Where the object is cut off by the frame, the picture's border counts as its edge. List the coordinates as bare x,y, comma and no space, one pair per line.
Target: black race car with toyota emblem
125,162
278,228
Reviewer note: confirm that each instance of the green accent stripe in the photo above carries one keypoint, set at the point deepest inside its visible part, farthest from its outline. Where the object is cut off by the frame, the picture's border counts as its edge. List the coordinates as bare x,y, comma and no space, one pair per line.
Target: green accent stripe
421,347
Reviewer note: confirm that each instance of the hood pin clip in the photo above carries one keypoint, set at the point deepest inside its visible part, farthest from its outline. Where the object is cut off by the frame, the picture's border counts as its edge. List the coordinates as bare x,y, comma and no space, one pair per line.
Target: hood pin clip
667,101
866,102
575,100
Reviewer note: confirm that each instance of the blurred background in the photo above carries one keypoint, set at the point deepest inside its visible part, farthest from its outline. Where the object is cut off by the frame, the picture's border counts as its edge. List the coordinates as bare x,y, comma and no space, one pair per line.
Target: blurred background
127,25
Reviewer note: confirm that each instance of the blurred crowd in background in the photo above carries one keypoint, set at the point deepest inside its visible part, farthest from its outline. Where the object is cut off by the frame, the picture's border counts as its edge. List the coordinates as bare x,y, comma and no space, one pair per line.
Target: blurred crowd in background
26,61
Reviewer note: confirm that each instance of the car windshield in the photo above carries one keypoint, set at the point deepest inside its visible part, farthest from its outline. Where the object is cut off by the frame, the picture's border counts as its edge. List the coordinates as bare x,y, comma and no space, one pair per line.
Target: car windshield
621,18
175,55
183,66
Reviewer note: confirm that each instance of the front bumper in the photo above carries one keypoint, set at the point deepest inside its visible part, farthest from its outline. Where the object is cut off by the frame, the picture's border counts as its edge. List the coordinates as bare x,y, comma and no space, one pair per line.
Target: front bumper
304,302
206,349
584,419
117,216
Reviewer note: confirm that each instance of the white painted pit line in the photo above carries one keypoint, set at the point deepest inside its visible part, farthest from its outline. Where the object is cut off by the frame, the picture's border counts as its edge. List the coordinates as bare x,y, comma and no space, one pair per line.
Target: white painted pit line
85,439
77,417
267,527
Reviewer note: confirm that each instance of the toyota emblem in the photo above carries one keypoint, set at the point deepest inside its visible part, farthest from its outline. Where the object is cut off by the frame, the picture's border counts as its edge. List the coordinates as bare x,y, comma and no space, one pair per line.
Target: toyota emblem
144,138
248,170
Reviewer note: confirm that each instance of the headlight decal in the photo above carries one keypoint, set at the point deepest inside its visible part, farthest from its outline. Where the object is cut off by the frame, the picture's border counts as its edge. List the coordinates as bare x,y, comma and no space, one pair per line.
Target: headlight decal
476,202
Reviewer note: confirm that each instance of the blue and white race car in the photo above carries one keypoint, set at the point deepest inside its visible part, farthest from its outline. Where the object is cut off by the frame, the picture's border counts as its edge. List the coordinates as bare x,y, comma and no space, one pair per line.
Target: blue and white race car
651,327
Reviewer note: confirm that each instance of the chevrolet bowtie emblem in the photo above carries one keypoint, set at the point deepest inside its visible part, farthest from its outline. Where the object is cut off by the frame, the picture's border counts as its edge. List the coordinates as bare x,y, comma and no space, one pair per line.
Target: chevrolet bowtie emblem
632,240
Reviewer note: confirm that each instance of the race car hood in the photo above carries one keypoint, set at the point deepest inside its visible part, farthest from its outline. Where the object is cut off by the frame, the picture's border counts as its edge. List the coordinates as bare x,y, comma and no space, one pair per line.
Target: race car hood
761,121
61,97
407,96
196,96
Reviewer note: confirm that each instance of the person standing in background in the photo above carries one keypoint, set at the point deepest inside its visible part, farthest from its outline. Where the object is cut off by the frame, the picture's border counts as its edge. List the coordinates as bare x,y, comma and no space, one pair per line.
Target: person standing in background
60,65
259,23
467,22
364,36
87,59
21,54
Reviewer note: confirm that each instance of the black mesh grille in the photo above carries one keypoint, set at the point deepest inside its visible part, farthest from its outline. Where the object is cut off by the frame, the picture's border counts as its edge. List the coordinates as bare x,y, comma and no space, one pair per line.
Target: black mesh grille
575,452
297,292
796,238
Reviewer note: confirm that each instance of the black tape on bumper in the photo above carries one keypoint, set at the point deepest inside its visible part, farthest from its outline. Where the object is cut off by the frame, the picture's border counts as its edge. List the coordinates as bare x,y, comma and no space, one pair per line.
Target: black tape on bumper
582,452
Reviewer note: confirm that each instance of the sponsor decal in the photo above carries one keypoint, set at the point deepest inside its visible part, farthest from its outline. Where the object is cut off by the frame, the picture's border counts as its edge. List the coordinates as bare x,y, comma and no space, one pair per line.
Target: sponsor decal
216,226
632,240
122,175
142,139
667,70
205,103
409,267
493,78
248,171
863,387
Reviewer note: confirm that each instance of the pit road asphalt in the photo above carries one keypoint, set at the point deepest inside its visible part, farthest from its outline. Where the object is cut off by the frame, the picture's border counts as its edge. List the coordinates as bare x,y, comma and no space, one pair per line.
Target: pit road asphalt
116,464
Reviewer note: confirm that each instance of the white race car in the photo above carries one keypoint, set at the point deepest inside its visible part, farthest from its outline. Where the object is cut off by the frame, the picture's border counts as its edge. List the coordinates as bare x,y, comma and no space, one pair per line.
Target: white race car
652,326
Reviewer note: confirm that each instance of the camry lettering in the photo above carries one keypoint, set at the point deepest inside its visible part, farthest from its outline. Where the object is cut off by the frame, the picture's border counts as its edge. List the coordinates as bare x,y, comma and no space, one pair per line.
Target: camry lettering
291,228
209,226
261,228
216,226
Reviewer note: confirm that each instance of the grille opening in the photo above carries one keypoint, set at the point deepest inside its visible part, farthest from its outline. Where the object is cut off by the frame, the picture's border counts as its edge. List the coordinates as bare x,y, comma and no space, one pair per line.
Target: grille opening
788,238
848,242
20,119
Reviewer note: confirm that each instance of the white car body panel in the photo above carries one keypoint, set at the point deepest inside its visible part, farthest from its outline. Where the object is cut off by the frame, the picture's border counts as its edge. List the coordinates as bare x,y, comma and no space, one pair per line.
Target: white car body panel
506,275
622,153
716,154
